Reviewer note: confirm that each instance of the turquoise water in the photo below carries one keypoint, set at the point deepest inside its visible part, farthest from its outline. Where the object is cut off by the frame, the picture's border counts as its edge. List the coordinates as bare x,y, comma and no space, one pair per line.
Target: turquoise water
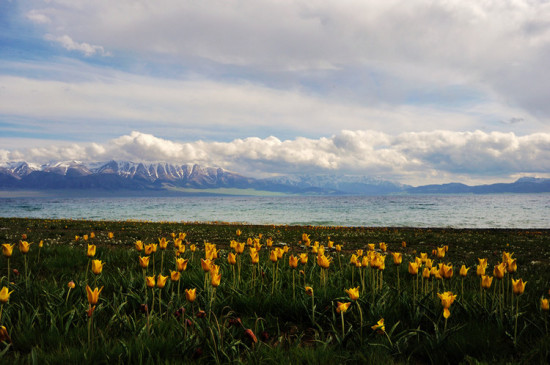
456,211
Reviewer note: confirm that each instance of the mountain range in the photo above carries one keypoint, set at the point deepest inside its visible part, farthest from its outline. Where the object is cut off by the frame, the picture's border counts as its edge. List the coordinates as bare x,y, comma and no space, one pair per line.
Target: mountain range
166,178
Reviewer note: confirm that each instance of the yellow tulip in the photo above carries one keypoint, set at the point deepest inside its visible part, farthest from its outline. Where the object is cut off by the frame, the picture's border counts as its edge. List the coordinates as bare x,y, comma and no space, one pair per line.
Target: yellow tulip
5,295
163,244
403,244
93,295
149,249
426,273
85,237
139,245
446,271
41,244
486,281
92,235
273,257
447,298
480,270
193,248
91,251
231,258
7,249
110,235
499,270
161,281
440,252
463,271
512,266
303,258
309,291
383,246
544,304
206,265
371,246
323,261
413,268
97,266
150,281
353,293
238,232
293,261
24,246
4,335
239,247
254,256
71,284
144,261
174,275
507,256
397,258
342,307
379,326
215,279
181,264
181,249
190,295
338,248
518,286
359,253
353,259
482,262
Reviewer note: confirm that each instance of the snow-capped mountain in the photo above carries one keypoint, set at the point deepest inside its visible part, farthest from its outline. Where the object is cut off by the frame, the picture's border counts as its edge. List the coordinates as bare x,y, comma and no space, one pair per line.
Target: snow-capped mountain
163,177
116,175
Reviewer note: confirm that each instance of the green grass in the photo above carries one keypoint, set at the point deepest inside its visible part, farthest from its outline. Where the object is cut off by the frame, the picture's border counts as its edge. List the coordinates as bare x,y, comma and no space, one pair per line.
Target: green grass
49,324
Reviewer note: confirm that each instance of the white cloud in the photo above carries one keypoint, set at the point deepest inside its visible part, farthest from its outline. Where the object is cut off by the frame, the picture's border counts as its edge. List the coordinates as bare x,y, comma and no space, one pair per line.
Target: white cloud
72,95
69,44
38,18
413,157
497,47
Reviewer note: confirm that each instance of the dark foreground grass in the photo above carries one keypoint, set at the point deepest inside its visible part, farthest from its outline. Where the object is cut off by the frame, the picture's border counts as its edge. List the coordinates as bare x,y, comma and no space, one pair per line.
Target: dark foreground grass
47,323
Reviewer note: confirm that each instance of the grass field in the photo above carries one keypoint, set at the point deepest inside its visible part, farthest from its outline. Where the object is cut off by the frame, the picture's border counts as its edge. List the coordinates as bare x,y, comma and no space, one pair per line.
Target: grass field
261,312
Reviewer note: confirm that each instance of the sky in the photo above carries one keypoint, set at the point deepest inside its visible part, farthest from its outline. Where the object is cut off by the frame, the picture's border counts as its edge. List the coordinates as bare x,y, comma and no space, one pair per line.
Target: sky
415,92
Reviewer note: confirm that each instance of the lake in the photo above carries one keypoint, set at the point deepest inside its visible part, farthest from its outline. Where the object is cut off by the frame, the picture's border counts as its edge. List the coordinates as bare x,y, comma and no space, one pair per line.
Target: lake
453,211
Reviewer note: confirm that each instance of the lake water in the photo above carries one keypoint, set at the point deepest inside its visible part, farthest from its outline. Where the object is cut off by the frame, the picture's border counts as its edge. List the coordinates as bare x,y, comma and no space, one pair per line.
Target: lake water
456,211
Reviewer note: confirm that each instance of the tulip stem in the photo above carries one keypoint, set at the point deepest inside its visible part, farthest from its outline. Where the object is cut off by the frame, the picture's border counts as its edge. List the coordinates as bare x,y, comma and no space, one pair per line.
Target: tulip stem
152,299
8,272
87,269
398,284
342,317
516,324
238,269
294,285
273,284
360,319
160,305
26,273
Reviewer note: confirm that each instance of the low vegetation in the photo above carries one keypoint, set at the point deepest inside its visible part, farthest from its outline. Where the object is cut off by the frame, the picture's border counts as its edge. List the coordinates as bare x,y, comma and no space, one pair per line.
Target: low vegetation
143,292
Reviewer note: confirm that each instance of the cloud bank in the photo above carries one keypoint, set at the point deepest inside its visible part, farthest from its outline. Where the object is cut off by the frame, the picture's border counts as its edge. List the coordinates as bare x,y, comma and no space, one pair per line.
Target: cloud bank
412,157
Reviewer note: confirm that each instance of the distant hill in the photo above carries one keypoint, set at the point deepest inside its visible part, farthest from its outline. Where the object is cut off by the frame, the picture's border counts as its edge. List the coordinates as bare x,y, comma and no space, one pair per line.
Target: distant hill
522,185
144,178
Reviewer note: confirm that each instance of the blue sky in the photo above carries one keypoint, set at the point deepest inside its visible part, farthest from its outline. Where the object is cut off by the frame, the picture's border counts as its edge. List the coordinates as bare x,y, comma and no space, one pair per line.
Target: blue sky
417,92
